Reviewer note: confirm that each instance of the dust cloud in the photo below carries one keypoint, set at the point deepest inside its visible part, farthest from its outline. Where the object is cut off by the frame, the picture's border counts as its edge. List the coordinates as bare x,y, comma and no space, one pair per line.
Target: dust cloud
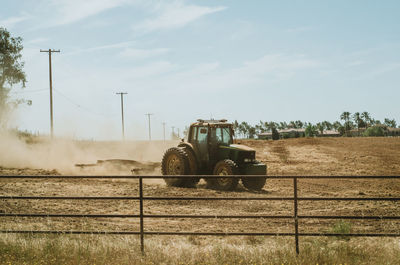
62,154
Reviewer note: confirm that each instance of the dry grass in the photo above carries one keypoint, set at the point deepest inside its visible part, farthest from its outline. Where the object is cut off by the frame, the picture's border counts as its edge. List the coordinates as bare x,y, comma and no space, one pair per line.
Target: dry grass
91,249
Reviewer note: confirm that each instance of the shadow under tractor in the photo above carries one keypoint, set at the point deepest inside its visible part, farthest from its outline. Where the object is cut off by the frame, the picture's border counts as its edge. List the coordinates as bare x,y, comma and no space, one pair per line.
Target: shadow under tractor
210,151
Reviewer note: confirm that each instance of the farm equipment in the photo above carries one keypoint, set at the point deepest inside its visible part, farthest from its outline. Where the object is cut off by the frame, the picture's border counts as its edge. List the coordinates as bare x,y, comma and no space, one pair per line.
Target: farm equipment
210,151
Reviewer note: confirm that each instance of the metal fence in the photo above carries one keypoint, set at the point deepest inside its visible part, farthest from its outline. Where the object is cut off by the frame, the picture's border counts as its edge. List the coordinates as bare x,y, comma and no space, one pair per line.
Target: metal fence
141,198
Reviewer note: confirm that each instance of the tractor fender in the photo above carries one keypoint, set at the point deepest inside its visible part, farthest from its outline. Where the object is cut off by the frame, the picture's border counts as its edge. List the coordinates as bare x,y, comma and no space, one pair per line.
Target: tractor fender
189,148
185,144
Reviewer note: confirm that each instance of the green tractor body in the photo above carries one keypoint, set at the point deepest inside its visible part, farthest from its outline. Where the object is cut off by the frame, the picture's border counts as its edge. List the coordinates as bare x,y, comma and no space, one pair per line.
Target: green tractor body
210,151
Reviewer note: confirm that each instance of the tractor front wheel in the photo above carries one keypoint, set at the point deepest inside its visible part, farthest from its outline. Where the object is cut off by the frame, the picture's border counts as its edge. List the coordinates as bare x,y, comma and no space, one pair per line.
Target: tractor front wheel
254,183
224,168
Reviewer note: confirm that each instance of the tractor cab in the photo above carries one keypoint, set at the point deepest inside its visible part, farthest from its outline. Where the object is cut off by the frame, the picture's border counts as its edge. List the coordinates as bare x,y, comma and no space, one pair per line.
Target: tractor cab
207,136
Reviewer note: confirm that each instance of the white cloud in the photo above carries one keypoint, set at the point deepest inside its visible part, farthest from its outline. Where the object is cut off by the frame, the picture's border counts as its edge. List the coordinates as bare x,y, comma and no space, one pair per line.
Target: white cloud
12,21
212,78
175,15
142,53
70,11
119,45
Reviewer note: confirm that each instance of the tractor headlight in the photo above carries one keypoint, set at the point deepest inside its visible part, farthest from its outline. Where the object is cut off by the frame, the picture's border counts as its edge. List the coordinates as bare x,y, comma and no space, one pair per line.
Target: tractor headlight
248,160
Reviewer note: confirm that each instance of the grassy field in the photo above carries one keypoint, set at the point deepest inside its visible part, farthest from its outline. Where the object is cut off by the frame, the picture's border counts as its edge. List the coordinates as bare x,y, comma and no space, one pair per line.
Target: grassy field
29,249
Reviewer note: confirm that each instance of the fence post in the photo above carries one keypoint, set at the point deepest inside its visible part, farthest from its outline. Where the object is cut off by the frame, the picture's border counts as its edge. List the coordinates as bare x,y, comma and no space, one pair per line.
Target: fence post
141,214
296,220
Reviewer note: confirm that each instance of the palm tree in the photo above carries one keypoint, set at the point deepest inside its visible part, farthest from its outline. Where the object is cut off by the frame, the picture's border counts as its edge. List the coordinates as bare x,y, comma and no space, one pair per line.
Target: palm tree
299,124
262,127
366,117
345,116
311,130
336,125
327,125
283,125
390,123
320,126
251,132
236,127
292,124
357,119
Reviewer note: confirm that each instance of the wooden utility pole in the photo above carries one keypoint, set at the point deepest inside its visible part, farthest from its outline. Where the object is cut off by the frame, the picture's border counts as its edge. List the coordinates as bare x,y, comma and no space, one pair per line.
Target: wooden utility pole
122,113
173,132
148,116
164,129
51,90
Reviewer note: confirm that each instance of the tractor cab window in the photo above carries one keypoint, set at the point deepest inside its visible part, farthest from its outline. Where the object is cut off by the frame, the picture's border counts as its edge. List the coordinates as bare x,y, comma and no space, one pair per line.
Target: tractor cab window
226,135
220,135
202,134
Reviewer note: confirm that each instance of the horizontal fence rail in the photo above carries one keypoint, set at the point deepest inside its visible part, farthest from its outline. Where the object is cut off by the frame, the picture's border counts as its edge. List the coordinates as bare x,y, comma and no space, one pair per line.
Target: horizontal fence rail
141,216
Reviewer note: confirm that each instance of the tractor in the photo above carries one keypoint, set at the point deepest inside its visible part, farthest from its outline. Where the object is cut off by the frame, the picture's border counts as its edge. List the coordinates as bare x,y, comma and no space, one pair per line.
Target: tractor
210,150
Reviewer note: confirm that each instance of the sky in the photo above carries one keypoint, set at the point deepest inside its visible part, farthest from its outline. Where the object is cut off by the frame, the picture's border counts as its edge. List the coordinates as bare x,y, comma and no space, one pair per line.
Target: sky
184,60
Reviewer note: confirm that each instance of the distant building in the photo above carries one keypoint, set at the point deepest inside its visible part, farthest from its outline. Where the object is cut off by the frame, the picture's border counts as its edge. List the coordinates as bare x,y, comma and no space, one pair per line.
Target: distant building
283,134
393,131
265,136
329,133
291,133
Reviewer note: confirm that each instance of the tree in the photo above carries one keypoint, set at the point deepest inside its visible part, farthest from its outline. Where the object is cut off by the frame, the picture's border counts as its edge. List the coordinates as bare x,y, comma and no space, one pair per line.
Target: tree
357,119
270,125
275,134
299,124
282,125
311,130
260,128
345,116
292,125
327,125
251,132
244,129
11,71
367,118
390,123
336,125
374,131
320,126
236,128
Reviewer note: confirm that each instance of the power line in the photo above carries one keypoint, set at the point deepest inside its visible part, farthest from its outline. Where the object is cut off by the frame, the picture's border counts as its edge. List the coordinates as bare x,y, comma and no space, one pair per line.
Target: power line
81,106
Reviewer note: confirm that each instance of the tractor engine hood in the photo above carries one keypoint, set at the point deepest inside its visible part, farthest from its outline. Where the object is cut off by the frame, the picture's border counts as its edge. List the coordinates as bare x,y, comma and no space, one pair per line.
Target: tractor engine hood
241,147
241,153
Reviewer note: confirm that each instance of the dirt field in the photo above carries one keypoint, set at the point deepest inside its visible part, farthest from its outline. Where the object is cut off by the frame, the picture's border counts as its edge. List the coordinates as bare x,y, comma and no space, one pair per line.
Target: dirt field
320,156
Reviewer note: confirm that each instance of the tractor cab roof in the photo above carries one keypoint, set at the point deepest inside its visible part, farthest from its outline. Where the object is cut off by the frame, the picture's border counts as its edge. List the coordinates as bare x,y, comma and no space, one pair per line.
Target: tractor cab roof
222,122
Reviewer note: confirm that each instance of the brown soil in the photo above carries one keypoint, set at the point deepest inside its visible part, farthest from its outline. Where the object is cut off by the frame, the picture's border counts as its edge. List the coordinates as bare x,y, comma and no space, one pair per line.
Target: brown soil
319,156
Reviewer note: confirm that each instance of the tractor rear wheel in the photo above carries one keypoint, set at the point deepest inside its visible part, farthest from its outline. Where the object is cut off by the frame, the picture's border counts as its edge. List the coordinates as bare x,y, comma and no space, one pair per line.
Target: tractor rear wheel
224,168
176,162
191,182
254,183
